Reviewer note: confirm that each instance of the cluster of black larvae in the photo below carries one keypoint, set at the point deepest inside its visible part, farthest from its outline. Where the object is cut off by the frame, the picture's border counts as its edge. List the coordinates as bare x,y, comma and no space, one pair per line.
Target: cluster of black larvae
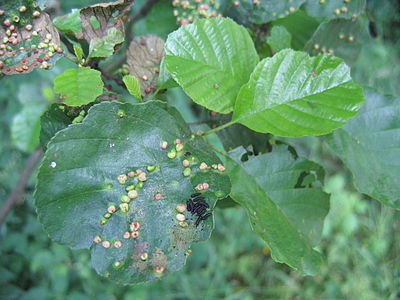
197,206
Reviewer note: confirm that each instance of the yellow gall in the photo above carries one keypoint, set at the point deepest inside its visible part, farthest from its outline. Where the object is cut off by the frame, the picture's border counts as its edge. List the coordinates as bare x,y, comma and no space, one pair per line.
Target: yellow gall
97,239
351,38
135,234
122,178
179,147
181,207
159,269
336,11
164,145
22,9
135,226
144,256
203,166
36,14
142,176
206,186
117,244
127,235
221,167
132,194
111,209
344,9
124,207
186,163
183,224
180,217
106,244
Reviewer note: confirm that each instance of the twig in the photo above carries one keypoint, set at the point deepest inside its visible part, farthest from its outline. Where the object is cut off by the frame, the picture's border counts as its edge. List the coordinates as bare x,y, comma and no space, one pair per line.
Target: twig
17,195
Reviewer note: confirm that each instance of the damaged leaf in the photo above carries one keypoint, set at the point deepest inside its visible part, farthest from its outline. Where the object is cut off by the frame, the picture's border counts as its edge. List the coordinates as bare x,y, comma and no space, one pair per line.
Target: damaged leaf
143,58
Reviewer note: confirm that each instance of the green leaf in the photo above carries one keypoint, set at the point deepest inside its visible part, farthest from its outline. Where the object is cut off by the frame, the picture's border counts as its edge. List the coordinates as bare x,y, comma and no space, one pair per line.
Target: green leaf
338,36
332,9
79,86
264,11
104,46
370,146
300,25
144,56
78,52
25,127
133,86
285,210
211,59
70,23
51,122
292,94
279,39
78,183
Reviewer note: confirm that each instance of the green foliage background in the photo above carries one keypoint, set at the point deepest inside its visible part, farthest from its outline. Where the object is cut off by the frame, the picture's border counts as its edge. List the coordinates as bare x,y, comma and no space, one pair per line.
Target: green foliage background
361,238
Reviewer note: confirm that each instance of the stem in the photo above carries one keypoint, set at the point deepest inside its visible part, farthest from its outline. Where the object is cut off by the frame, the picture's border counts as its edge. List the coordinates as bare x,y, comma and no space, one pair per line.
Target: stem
218,128
17,195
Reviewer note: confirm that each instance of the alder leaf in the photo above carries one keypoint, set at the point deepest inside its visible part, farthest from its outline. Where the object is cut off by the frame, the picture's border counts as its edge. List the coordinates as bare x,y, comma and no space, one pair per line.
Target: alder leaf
369,145
28,38
79,86
133,86
292,94
211,59
333,9
285,203
79,182
143,58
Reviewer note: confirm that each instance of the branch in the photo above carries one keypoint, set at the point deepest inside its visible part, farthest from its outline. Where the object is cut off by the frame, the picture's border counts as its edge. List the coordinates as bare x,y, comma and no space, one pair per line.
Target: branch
146,8
17,195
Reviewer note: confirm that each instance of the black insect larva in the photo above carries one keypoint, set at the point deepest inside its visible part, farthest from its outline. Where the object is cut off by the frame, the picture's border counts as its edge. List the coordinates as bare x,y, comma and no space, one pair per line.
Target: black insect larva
189,205
199,210
195,195
198,199
198,221
206,216
205,204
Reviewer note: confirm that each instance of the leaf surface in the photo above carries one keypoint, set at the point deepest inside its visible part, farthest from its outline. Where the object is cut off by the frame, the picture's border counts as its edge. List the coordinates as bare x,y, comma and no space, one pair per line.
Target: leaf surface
211,59
370,147
292,94
78,183
285,203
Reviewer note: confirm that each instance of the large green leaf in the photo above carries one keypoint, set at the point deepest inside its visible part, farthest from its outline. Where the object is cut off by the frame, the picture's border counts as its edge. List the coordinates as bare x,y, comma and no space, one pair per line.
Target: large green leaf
285,203
370,147
279,39
211,59
292,94
79,86
332,9
78,183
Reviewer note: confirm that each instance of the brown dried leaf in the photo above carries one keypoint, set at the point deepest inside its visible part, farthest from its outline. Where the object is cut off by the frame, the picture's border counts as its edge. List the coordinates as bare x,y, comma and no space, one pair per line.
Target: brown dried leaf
144,57
97,19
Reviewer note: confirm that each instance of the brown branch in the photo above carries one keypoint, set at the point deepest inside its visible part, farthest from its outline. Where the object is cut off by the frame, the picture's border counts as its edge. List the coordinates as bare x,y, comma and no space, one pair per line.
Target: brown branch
17,195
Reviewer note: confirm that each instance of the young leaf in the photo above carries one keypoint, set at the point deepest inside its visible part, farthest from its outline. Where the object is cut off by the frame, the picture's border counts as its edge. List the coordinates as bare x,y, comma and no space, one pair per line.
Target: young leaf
79,184
369,146
284,209
133,86
211,59
70,23
332,9
292,94
279,39
29,38
79,86
144,57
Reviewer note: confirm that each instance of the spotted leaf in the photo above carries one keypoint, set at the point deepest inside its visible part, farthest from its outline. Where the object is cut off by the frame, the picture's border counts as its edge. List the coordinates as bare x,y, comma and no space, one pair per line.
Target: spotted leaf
332,9
28,40
90,193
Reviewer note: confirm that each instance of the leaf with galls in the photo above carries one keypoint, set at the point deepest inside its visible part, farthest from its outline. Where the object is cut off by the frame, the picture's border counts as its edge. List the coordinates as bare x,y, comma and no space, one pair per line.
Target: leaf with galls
115,189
